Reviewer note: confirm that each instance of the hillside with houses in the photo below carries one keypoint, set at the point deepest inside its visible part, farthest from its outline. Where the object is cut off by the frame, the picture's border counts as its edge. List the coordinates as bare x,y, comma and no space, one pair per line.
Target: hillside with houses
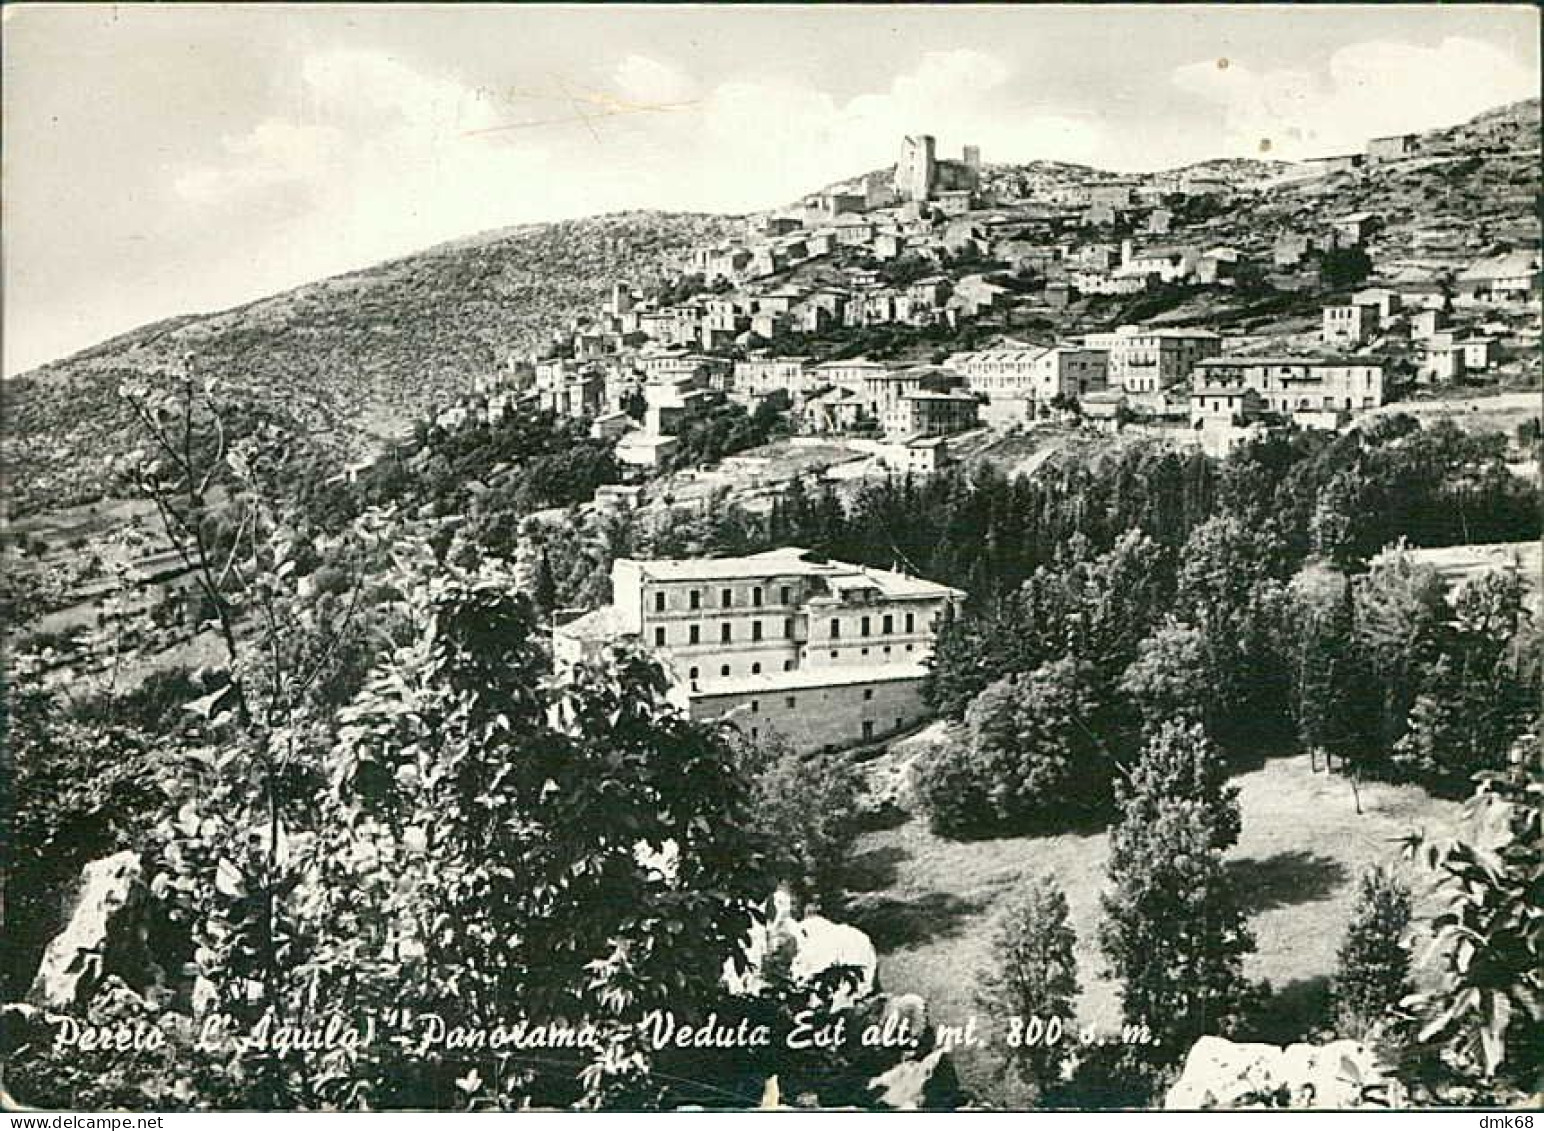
972,593
1273,259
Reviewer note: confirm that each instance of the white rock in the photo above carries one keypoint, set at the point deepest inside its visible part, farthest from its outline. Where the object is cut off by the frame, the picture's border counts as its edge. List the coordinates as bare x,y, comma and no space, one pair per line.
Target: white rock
810,946
823,945
104,925
912,1085
1329,1076
1221,1074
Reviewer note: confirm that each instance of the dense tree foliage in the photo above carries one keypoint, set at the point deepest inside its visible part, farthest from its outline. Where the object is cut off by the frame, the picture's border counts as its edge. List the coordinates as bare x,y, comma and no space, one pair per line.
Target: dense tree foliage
1167,681
721,432
1333,692
804,809
1173,930
1477,1032
494,474
1399,618
1342,267
1481,692
1180,764
1030,988
1031,757
581,853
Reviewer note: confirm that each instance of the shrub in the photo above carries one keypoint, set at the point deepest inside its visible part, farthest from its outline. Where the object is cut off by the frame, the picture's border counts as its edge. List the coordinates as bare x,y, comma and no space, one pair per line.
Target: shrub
805,809
1373,971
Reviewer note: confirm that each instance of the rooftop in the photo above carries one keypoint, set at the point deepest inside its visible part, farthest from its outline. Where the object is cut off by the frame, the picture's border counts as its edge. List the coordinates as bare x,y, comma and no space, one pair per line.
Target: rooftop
792,560
1007,356
1179,332
852,363
604,623
1218,362
924,395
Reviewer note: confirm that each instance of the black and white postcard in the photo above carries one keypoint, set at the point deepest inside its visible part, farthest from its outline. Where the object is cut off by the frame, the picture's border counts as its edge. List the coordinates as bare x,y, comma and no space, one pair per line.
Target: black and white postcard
705,557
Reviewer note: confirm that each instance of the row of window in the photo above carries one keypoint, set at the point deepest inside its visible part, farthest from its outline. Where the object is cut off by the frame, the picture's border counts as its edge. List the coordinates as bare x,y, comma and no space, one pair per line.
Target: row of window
726,629
865,625
726,670
725,632
725,598
792,701
865,651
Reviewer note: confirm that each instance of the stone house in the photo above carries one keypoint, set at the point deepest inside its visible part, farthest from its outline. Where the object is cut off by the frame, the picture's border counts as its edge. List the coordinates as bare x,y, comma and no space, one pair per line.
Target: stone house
1349,324
923,413
1393,147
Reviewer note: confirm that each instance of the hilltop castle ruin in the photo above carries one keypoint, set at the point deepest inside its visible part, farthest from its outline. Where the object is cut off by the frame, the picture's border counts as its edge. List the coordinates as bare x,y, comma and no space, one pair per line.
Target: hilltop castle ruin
921,175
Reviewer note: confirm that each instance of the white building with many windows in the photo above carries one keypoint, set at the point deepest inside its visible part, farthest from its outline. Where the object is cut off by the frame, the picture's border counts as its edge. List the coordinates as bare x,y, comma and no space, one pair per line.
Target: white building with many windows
822,653
1144,361
1314,392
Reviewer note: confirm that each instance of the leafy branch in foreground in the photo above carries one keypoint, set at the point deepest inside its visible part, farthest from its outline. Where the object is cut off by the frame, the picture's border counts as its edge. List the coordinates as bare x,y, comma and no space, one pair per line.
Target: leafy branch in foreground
1485,1018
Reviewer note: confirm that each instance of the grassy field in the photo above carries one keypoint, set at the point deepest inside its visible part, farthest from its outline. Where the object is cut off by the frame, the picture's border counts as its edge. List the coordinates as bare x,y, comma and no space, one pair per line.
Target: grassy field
929,903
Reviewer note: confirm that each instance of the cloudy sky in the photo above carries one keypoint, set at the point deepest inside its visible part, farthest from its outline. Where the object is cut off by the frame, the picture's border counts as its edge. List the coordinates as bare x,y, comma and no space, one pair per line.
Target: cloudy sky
174,158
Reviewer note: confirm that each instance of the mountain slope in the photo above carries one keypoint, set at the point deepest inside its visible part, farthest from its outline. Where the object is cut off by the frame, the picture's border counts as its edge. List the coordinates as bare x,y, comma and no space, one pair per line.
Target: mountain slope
364,355
352,358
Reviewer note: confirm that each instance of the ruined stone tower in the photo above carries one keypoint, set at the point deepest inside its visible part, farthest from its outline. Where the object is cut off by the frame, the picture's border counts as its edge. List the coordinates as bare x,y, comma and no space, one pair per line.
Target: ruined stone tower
914,171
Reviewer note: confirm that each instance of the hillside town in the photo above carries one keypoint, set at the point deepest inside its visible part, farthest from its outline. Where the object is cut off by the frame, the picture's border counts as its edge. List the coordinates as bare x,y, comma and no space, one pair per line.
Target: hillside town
990,633
940,247
947,249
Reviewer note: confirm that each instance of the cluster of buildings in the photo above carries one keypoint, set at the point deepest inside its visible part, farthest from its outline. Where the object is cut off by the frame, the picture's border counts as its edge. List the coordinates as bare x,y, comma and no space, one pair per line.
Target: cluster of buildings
1453,330
641,368
1178,381
1231,398
826,653
787,643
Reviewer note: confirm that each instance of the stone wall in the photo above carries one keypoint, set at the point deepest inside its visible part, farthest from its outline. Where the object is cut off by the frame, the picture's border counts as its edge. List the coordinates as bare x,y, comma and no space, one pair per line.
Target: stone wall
812,717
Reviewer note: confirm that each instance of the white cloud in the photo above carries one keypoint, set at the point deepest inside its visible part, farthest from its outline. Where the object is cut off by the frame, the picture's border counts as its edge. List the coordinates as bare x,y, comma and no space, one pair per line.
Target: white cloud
651,82
1366,90
760,141
378,159
275,152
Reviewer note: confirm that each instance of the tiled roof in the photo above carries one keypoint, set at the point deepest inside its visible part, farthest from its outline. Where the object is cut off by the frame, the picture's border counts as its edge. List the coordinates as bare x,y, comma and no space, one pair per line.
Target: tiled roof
1211,362
1007,356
